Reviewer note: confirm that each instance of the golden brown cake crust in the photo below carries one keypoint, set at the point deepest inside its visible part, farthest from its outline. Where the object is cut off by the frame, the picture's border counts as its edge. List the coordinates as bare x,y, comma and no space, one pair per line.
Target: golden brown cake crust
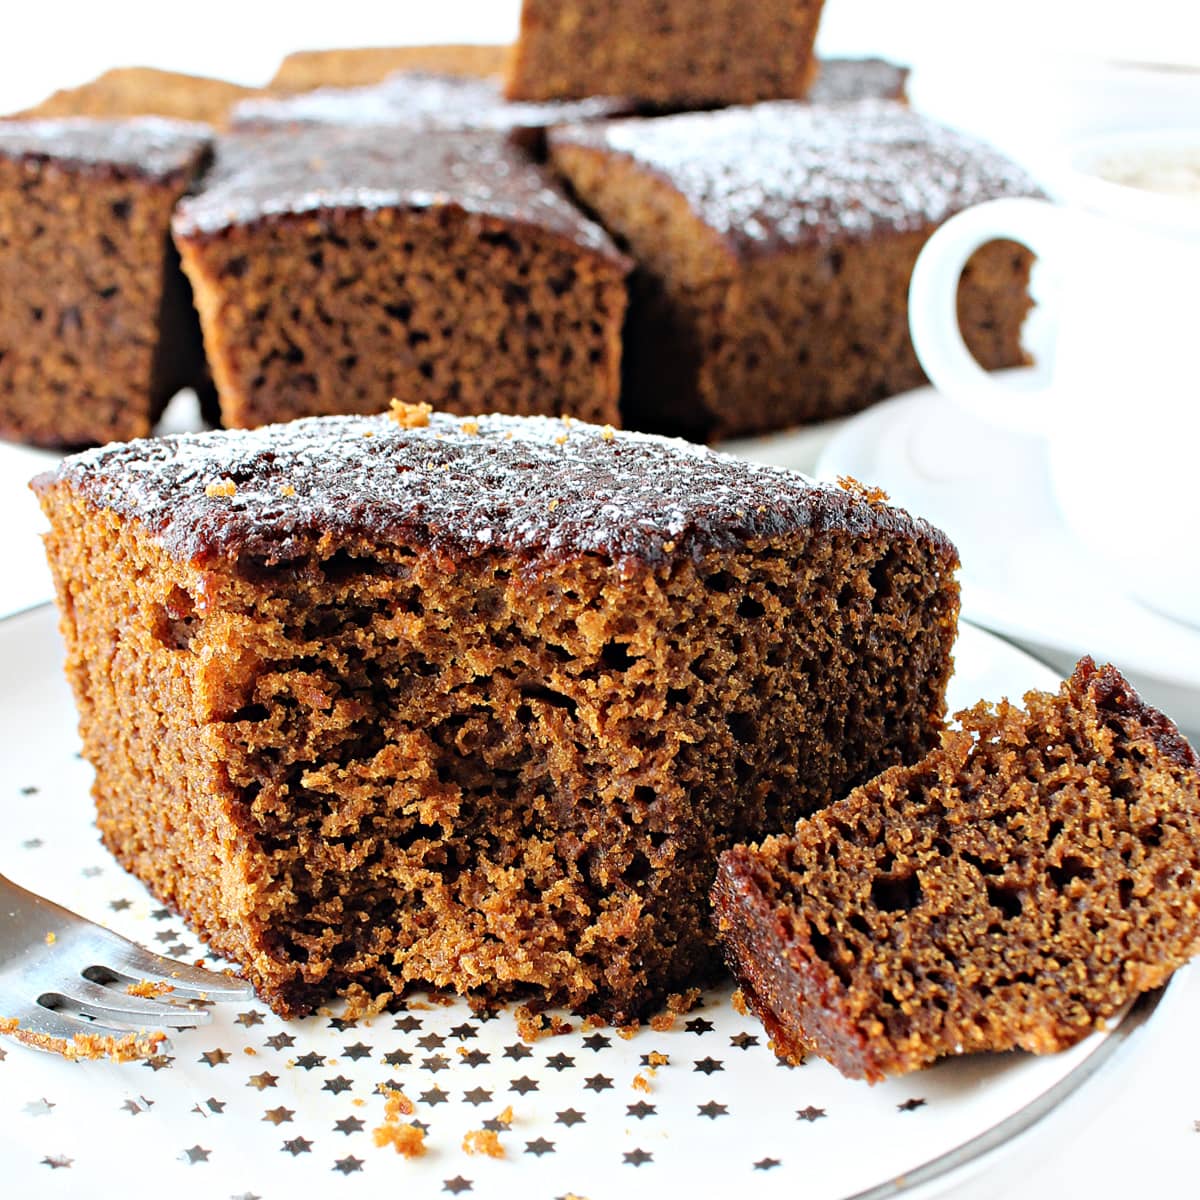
144,91
308,69
1013,889
476,703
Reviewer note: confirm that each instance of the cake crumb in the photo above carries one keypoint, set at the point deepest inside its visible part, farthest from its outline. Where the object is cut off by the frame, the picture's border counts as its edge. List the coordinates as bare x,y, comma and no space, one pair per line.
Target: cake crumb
663,1021
148,990
683,1002
222,487
470,427
397,1104
408,1140
552,505
51,938
483,1141
532,1027
739,1002
89,1046
250,1050
360,1003
629,1031
641,1083
657,1059
506,1117
608,433
668,546
872,495
287,490
410,416
561,440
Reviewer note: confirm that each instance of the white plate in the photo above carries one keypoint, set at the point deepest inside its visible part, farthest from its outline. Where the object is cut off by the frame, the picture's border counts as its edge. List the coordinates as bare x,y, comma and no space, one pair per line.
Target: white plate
1023,574
254,1105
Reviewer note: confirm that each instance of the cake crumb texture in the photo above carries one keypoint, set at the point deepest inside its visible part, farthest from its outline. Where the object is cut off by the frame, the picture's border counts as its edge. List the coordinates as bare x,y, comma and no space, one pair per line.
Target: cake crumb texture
410,727
1012,890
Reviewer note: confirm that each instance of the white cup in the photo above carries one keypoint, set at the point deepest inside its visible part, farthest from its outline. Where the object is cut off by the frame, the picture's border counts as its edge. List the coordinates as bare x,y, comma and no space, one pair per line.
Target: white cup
1121,408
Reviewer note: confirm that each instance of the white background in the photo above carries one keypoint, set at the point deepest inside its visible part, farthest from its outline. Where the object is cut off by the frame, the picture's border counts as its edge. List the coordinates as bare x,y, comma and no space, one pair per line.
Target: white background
45,45
1131,1133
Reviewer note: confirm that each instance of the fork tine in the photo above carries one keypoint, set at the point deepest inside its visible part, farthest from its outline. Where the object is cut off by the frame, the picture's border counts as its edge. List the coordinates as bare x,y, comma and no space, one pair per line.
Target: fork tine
110,1004
129,959
36,1025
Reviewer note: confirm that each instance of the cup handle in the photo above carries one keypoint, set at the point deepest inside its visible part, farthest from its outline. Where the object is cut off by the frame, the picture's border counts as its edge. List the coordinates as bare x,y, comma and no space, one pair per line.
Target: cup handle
933,307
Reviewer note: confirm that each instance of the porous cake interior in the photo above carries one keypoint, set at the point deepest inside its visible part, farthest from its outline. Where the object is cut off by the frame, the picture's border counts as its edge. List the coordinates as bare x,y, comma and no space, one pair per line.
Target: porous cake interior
717,347
96,324
1024,881
721,51
340,313
375,766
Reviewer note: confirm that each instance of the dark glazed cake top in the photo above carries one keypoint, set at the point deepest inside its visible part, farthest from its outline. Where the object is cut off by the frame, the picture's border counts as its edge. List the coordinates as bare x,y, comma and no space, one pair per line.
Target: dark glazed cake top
843,80
151,146
424,101
534,486
786,173
261,175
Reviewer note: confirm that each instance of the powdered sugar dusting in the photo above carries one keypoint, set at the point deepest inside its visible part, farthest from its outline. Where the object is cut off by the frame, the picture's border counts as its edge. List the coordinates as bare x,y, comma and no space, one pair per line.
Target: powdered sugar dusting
152,146
793,173
425,101
284,172
535,486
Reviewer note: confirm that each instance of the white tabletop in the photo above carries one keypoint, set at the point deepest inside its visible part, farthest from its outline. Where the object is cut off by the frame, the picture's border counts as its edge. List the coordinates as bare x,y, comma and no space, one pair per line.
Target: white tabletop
1023,73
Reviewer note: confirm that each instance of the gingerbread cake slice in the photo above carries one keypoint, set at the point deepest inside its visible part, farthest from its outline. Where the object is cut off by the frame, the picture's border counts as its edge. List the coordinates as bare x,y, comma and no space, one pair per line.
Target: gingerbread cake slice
1013,889
775,244
335,269
305,70
97,329
477,702
688,54
426,101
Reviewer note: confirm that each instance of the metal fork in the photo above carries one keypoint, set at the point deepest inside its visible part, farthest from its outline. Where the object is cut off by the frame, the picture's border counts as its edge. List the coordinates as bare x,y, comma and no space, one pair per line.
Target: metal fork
63,976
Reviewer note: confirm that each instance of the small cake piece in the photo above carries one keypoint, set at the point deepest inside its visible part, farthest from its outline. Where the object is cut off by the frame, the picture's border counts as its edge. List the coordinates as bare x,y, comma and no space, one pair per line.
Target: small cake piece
420,100
335,268
680,55
477,702
145,91
1013,889
845,80
308,69
775,244
97,329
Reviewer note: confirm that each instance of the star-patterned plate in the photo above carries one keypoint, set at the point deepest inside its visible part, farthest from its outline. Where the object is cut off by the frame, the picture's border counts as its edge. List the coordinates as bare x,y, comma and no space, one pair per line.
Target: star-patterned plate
252,1106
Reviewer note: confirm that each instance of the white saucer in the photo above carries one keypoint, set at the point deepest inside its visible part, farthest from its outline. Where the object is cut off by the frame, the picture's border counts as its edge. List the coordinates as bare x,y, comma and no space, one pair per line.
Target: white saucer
1023,575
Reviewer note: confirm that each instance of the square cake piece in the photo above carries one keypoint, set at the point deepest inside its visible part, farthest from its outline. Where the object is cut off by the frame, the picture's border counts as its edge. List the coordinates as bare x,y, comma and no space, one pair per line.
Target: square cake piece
477,702
1014,888
775,244
421,100
335,269
679,55
97,329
